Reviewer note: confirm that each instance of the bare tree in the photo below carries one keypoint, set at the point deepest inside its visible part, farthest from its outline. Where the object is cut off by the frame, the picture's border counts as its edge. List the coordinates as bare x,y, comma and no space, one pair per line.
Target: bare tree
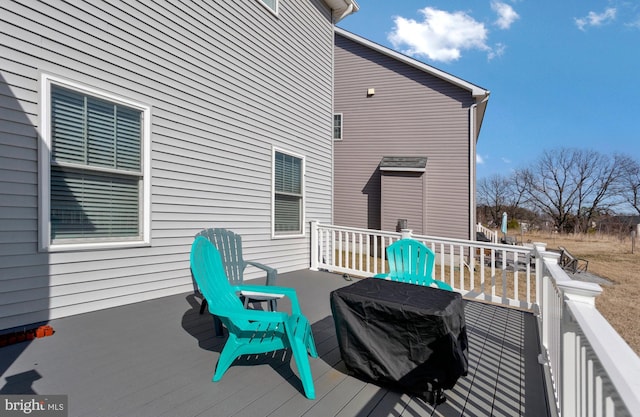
494,193
550,186
595,176
629,183
572,186
518,190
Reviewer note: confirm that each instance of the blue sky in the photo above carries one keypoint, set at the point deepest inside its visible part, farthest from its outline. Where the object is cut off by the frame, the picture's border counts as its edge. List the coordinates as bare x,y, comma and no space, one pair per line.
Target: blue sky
561,73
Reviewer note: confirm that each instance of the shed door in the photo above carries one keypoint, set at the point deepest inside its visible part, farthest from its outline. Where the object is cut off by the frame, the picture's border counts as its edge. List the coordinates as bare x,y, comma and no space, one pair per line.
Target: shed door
403,197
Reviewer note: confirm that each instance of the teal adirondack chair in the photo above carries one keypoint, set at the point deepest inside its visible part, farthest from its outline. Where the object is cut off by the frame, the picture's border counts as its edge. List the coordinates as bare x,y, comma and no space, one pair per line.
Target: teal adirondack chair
229,244
251,331
412,262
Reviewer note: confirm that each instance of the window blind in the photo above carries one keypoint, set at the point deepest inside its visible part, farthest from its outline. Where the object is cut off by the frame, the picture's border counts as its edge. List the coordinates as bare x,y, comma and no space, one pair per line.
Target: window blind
96,167
288,193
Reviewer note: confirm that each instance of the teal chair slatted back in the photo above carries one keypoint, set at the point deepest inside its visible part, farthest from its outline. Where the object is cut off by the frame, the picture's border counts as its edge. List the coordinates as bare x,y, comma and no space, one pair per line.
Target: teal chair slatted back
208,271
230,246
412,262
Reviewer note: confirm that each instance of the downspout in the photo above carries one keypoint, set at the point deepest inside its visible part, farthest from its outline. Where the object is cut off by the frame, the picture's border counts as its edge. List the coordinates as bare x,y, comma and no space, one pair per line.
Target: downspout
472,170
333,109
473,138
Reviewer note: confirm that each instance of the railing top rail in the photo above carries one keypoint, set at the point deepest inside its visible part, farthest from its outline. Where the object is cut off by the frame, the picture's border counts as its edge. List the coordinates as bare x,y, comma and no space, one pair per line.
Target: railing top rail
358,230
475,244
433,239
618,359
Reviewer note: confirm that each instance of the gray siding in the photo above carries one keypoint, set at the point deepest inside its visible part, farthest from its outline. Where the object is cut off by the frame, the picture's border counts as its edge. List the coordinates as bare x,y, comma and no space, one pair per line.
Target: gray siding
226,82
412,113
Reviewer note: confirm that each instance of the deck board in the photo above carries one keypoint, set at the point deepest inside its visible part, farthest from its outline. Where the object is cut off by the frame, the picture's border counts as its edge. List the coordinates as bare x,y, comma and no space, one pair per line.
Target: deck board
156,358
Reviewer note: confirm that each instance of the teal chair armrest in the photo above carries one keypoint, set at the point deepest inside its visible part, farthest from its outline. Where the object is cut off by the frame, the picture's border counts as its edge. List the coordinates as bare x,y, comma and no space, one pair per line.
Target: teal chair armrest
383,276
275,290
272,273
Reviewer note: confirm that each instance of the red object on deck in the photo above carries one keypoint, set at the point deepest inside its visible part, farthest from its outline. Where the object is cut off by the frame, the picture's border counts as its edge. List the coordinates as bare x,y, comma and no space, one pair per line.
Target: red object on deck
22,335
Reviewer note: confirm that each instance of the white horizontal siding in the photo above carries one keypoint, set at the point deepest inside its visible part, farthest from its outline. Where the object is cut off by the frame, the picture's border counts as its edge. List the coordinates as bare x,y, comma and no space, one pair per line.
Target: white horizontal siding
226,82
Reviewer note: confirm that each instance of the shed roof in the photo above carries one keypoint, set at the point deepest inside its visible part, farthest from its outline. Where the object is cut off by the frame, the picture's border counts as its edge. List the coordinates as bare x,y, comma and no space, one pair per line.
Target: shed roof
403,163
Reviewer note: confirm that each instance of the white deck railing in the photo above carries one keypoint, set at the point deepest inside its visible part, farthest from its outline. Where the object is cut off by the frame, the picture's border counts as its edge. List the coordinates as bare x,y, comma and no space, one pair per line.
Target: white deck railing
491,234
479,270
590,370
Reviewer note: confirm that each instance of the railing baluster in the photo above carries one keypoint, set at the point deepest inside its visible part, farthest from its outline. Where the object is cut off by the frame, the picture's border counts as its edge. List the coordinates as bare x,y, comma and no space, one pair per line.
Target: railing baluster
383,254
375,255
493,273
516,268
482,261
460,266
354,251
442,276
340,249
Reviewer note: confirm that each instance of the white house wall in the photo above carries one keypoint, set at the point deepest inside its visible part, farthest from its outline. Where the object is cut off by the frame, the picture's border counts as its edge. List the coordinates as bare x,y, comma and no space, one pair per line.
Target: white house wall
227,81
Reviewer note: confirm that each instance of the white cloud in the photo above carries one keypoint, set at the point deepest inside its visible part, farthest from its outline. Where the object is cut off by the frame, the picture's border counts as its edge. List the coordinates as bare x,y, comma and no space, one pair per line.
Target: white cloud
497,51
479,159
595,19
506,14
634,24
441,36
506,160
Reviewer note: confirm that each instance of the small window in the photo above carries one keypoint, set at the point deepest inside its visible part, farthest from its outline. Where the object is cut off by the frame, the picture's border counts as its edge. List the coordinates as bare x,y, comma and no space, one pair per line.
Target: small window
271,5
94,169
288,194
337,126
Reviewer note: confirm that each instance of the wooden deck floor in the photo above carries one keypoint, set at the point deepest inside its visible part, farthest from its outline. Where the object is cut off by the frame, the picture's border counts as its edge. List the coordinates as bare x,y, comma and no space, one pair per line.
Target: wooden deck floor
156,358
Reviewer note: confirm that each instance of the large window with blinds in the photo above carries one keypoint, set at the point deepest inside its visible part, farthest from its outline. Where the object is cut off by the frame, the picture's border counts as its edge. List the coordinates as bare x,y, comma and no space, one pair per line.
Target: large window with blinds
288,194
96,156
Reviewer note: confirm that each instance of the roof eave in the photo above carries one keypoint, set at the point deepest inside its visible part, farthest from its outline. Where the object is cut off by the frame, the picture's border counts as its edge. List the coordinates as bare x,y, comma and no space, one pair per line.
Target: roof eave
342,8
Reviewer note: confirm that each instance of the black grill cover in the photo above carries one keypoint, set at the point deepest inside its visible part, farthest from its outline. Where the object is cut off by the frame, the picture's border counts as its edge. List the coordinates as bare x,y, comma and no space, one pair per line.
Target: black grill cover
403,336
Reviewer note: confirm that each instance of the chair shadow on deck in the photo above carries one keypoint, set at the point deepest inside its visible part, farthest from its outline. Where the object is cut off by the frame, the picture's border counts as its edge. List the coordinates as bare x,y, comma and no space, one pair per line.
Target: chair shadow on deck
20,384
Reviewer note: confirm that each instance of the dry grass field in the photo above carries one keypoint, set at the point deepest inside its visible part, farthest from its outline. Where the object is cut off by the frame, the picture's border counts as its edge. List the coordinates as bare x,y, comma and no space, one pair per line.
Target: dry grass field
609,257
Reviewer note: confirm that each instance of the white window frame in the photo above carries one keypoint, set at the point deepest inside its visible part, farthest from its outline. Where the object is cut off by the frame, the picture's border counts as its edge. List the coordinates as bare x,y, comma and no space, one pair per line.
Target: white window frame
303,175
273,10
44,222
333,124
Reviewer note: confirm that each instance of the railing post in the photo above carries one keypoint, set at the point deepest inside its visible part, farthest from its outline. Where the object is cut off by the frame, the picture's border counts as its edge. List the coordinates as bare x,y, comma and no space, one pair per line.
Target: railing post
539,249
314,245
547,301
573,374
583,292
